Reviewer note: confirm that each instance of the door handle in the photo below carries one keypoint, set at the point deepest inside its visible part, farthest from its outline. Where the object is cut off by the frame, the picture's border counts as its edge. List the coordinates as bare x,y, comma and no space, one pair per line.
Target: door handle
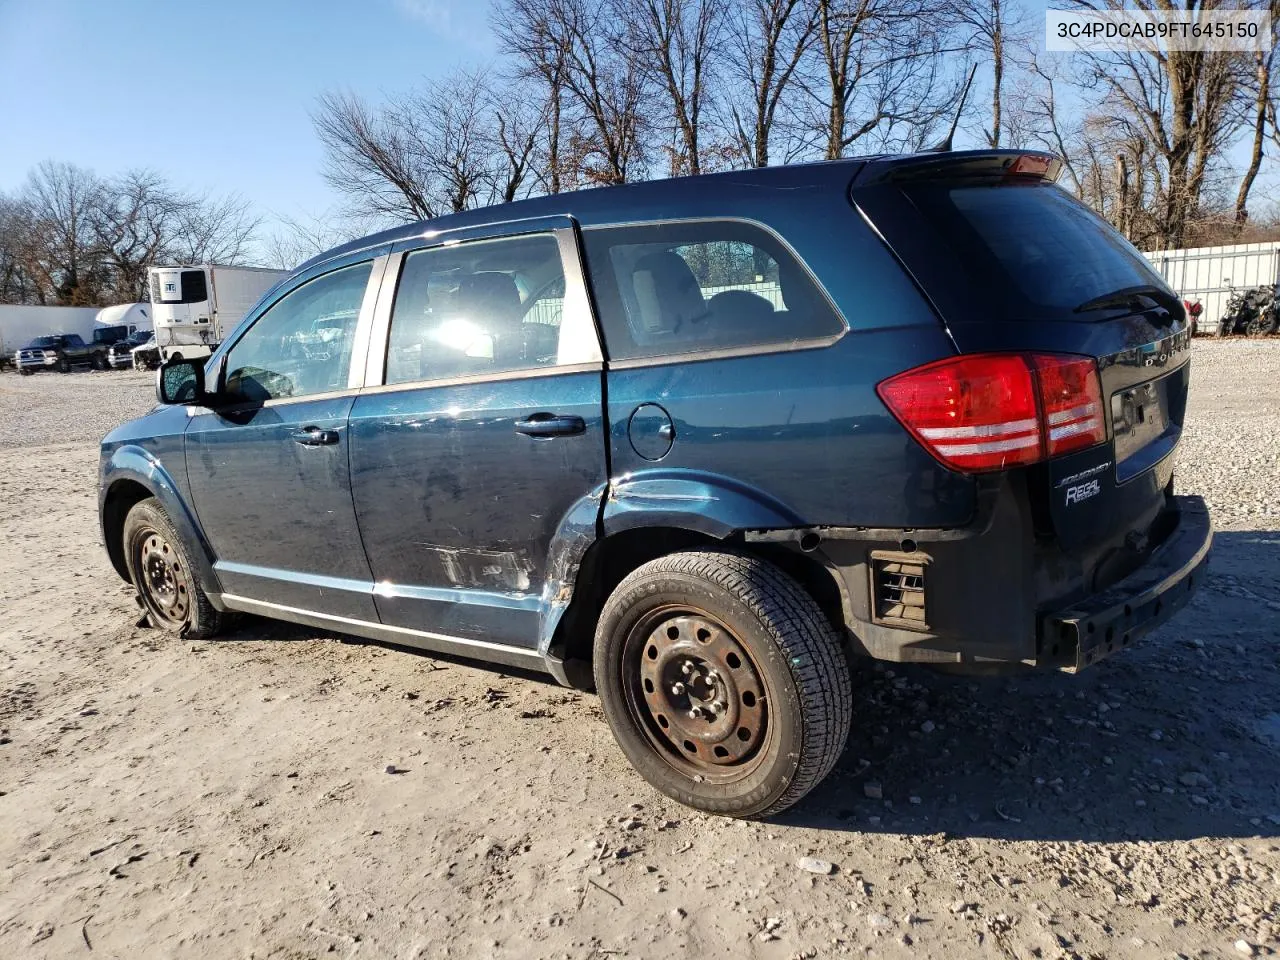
315,437
551,425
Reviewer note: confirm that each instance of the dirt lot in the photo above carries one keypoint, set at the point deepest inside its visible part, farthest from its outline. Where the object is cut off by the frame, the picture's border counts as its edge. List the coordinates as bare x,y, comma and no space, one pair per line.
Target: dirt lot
231,799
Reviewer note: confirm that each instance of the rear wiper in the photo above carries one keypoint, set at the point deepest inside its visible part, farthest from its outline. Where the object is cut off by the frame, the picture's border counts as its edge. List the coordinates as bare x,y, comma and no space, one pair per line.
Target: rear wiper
1140,297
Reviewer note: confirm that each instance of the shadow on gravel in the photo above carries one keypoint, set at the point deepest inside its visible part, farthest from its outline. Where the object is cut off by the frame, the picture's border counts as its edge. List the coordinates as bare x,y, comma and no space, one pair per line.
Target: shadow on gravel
1175,738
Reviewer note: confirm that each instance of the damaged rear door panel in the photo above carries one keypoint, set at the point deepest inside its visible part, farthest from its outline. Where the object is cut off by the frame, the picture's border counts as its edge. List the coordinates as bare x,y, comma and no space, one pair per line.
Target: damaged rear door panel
486,437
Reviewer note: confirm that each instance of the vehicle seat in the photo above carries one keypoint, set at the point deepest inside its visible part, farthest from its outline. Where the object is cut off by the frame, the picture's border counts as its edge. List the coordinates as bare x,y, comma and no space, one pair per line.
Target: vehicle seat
667,297
491,301
742,316
797,290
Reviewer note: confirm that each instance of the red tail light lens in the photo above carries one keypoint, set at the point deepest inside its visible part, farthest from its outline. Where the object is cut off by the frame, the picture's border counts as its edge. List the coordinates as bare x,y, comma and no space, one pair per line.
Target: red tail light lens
982,412
1072,400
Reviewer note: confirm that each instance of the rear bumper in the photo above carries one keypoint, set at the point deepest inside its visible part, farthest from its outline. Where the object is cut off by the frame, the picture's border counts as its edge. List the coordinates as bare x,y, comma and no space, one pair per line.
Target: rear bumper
994,595
1091,629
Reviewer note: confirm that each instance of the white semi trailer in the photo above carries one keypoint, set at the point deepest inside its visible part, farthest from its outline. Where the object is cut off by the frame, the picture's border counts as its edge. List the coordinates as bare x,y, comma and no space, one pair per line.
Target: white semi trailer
194,307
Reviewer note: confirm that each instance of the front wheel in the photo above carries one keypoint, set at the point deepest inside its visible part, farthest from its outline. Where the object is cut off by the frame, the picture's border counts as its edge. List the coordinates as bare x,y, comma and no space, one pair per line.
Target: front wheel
64,365
168,585
723,682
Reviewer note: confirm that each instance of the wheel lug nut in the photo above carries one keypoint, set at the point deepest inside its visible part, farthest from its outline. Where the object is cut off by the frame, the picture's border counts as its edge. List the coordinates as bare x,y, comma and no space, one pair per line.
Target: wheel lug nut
686,668
677,689
695,713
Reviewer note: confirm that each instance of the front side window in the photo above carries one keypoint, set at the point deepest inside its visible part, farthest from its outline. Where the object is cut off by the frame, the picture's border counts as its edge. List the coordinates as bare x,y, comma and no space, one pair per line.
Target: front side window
302,345
692,286
490,306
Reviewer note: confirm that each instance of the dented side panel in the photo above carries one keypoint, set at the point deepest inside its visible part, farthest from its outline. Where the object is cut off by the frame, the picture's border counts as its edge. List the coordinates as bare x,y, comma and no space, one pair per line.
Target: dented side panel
460,513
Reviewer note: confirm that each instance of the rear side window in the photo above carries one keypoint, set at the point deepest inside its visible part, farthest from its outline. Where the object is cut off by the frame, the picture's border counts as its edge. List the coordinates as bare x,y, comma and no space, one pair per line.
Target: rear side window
692,286
1032,249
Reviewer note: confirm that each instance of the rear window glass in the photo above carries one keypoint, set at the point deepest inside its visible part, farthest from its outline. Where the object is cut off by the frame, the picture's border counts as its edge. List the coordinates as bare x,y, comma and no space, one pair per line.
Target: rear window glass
694,286
1034,247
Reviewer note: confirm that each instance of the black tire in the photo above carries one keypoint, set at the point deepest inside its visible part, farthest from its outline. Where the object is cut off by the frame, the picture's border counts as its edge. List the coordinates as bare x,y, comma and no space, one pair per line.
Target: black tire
24,371
100,362
155,558
64,365
796,723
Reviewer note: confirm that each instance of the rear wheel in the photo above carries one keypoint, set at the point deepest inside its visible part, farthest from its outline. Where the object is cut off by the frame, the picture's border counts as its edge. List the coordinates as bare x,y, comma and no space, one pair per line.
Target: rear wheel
723,682
167,583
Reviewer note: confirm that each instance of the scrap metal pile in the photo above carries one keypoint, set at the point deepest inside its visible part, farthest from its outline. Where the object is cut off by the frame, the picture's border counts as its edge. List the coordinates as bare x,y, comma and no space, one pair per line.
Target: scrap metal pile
1253,313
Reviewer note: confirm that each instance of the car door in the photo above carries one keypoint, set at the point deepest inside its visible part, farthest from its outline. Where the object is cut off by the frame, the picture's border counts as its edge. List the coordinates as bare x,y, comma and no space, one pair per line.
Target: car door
479,441
268,468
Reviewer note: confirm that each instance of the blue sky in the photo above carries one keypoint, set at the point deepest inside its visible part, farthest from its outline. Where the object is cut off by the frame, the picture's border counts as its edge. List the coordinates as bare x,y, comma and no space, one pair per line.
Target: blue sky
216,96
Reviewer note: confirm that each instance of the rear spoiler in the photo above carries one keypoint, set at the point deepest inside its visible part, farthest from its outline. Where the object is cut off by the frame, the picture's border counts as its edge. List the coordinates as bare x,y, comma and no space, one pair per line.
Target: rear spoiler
971,165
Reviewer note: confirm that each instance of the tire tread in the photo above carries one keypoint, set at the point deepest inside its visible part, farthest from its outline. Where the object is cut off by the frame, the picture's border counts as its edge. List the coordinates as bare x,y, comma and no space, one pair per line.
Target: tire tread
810,645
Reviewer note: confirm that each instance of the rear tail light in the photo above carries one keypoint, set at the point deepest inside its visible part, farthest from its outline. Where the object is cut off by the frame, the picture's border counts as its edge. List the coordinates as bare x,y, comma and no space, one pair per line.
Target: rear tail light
982,412
1072,401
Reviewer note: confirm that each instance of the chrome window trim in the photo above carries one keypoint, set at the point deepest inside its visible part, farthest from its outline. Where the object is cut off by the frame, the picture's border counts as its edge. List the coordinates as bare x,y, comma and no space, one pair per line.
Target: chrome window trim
380,327
364,323
577,321
524,373
728,353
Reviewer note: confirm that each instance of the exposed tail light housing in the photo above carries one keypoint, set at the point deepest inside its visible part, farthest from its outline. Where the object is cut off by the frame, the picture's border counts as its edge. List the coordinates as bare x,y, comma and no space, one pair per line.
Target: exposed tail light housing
982,412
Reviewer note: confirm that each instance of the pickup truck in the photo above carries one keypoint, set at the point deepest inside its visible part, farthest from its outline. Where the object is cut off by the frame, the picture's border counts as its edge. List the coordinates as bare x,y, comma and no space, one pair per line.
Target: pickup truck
60,352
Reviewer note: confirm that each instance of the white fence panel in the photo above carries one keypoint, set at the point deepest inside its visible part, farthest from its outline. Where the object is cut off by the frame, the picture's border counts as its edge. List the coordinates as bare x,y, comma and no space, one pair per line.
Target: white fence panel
1208,274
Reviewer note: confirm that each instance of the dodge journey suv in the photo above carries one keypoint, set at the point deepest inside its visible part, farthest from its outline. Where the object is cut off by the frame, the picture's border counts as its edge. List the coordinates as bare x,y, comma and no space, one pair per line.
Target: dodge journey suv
701,444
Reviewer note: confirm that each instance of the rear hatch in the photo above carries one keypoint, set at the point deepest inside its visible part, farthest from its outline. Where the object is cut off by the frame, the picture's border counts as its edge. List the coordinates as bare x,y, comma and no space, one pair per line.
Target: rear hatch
1013,262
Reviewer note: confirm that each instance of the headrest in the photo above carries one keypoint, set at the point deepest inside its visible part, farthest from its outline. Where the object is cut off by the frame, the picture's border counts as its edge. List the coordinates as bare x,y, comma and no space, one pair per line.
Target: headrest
490,296
666,292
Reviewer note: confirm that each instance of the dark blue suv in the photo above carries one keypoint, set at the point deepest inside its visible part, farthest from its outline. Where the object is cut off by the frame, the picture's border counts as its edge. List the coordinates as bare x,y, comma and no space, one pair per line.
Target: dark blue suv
699,443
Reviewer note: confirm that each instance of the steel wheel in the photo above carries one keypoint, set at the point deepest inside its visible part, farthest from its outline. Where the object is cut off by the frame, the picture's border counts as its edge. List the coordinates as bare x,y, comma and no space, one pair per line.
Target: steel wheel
696,693
163,580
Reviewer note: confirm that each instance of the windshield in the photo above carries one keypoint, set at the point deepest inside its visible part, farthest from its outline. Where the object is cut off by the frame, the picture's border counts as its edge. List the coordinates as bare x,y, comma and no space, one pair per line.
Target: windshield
45,342
1031,250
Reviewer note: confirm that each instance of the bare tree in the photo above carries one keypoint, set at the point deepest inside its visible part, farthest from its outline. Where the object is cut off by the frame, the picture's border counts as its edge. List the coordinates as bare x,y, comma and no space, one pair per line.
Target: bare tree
609,89
1183,104
372,160
996,29
680,42
519,139
298,239
528,32
879,72
214,230
134,219
1265,67
767,41
70,237
447,146
59,251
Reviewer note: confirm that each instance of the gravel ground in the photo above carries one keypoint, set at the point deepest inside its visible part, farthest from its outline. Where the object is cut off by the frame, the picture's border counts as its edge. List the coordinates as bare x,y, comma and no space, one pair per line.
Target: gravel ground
231,798
47,408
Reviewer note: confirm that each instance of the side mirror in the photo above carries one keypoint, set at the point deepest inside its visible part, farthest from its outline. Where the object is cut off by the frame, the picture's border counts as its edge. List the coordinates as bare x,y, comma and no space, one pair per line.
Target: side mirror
180,381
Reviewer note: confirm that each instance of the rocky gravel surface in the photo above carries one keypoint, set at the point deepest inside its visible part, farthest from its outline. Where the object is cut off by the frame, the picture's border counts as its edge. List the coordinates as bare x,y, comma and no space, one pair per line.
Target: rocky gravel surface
288,793
1230,454
79,407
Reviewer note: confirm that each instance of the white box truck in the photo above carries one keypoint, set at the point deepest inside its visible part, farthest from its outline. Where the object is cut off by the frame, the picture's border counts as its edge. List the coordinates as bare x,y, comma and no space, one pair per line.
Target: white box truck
194,307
